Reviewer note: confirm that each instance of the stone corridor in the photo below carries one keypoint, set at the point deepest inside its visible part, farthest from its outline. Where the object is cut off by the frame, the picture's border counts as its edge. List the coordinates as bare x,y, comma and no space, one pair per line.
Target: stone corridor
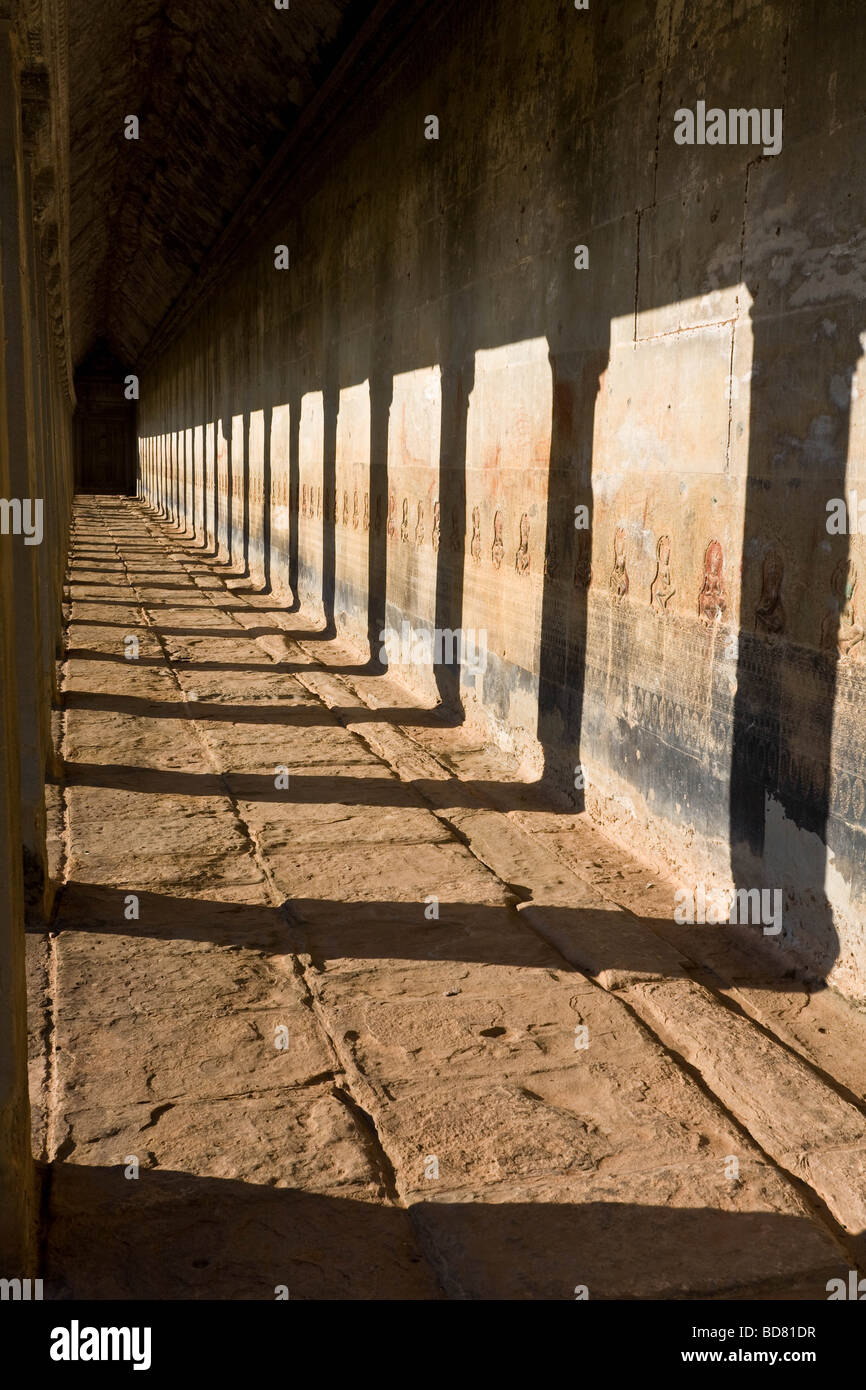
432,664
335,1006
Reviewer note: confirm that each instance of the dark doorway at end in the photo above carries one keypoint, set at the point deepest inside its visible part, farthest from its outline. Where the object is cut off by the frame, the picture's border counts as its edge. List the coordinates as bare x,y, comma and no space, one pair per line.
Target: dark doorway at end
105,420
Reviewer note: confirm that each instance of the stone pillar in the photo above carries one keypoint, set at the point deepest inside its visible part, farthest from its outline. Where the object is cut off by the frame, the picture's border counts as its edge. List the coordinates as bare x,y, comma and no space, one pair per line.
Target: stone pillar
24,481
17,1186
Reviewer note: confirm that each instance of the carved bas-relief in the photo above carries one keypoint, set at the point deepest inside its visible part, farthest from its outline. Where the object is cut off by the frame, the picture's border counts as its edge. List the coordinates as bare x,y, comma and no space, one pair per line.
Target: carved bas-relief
770,612
712,599
475,547
521,559
841,629
437,517
366,511
392,515
304,500
345,507
419,525
404,523
662,589
618,581
355,513
497,550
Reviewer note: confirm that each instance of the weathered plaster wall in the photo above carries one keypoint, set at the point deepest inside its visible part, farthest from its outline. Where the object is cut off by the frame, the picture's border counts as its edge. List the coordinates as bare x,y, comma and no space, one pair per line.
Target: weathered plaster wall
401,424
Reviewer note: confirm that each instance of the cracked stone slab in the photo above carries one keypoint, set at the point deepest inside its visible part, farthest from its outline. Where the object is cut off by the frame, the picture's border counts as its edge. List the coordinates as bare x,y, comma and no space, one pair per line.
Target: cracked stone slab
231,869
617,1115
208,1050
394,874
416,980
317,825
789,1108
222,971
464,1032
255,748
840,1177
305,1137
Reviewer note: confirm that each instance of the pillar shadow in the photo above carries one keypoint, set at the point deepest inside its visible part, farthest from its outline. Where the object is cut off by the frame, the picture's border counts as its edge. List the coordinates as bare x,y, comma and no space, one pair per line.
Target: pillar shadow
177,1235
457,382
790,822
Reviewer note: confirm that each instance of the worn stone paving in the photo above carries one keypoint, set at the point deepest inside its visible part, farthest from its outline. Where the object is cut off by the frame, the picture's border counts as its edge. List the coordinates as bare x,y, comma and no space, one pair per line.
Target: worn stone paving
370,1019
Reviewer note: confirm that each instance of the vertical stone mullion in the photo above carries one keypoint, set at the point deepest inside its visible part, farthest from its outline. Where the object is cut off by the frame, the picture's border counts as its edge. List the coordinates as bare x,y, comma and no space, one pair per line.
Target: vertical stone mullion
17,1188
15,267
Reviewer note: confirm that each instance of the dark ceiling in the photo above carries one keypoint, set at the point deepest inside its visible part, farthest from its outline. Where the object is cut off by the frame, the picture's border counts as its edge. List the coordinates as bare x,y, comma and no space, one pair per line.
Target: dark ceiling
217,86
